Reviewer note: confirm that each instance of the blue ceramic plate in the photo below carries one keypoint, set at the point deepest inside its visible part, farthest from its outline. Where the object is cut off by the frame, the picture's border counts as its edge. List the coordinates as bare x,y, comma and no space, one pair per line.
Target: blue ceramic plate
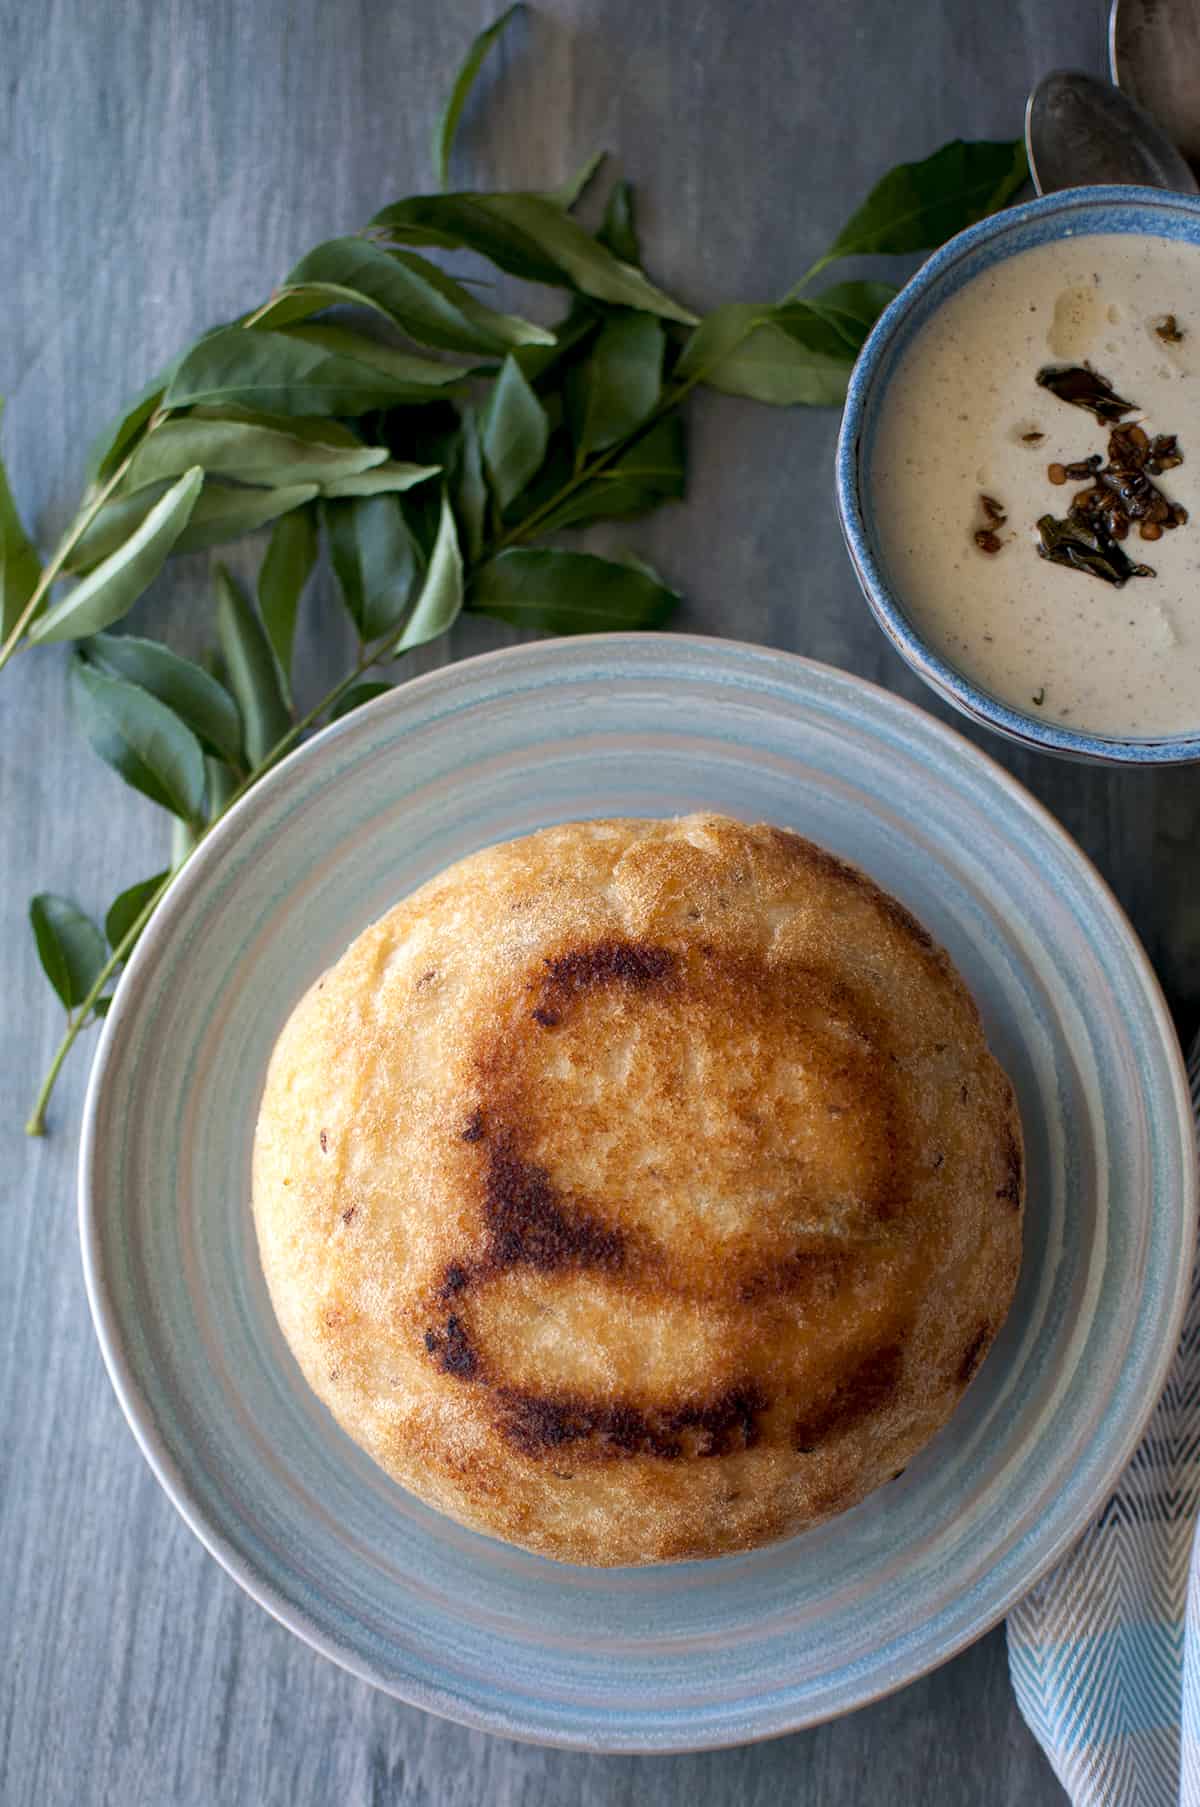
1071,212
697,1654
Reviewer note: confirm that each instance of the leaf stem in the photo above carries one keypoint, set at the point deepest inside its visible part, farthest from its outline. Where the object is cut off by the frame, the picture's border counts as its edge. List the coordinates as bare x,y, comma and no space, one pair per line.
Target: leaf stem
36,1125
822,263
369,657
527,528
67,544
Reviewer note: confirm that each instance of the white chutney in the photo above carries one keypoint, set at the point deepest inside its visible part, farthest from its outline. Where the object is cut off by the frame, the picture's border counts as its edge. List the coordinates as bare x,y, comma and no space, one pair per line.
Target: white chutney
954,425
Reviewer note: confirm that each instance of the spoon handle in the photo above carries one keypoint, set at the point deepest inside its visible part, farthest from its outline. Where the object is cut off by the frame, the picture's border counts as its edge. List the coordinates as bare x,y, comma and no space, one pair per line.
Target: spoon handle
1154,55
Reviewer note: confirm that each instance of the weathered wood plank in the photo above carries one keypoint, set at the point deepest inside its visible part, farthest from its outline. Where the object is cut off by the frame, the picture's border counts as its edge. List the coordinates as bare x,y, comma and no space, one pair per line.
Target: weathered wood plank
163,163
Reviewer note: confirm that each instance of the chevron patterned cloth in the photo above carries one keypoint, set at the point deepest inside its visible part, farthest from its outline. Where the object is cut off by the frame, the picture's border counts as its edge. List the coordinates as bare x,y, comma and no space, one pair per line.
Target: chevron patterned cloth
1105,1652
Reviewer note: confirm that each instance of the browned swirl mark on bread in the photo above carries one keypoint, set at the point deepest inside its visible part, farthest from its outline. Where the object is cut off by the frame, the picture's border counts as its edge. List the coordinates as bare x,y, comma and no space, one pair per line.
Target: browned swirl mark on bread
717,1427
528,1218
852,1397
528,1224
452,1346
634,965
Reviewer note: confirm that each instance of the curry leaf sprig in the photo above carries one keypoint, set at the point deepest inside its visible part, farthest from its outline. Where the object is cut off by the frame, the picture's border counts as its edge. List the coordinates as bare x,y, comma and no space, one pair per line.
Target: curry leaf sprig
433,445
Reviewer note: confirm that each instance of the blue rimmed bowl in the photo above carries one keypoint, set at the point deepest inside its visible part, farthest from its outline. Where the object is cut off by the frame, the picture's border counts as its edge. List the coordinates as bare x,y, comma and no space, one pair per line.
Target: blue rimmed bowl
1072,212
693,1654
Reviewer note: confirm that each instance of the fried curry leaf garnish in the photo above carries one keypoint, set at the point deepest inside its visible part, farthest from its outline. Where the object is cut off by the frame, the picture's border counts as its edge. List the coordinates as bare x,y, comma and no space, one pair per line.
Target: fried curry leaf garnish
1085,548
1084,388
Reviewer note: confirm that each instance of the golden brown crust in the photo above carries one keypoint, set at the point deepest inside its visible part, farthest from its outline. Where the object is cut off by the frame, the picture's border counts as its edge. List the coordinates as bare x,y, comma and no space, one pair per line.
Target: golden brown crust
640,1190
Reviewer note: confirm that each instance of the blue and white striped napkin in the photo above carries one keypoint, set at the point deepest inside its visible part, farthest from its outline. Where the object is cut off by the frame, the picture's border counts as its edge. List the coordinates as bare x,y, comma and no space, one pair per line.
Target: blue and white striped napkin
1105,1652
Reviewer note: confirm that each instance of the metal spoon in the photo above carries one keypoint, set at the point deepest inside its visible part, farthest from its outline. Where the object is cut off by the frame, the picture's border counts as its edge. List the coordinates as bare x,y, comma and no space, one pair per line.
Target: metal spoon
1080,132
1154,53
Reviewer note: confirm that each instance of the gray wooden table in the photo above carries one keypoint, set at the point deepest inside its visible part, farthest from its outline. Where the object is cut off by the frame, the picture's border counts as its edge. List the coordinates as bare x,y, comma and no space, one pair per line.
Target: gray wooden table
162,162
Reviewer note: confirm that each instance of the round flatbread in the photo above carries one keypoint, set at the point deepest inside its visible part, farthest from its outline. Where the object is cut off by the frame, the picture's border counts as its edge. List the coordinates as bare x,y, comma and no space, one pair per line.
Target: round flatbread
640,1190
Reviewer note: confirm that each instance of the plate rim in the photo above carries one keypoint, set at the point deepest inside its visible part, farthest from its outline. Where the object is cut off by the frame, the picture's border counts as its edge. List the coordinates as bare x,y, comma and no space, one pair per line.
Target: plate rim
138,1414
